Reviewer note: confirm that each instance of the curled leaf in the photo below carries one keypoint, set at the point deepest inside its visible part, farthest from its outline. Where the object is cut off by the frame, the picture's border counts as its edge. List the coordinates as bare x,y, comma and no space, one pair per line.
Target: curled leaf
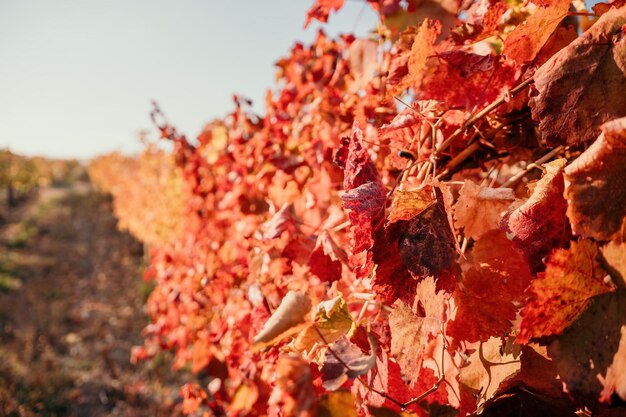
540,224
582,86
595,185
408,204
332,321
345,361
286,320
326,259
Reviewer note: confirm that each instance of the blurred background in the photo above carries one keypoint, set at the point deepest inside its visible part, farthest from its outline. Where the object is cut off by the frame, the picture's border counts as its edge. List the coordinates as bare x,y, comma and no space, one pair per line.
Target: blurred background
86,188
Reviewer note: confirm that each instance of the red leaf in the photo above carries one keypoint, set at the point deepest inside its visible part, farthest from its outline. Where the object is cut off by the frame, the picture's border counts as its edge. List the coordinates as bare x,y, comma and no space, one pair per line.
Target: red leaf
293,393
466,80
559,295
363,56
325,260
416,47
540,225
321,9
366,210
490,366
426,243
493,282
483,18
407,204
386,377
408,251
585,351
411,334
280,222
356,162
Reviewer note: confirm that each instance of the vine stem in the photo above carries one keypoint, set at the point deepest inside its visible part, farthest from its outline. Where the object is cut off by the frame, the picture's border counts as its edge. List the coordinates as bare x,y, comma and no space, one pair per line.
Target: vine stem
470,122
515,178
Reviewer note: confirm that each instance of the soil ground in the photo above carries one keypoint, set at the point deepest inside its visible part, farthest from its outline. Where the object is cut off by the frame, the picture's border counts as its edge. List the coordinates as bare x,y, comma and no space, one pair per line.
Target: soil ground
72,304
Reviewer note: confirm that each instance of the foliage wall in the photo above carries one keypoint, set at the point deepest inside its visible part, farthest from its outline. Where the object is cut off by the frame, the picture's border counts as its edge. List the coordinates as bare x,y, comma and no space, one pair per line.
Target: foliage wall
429,221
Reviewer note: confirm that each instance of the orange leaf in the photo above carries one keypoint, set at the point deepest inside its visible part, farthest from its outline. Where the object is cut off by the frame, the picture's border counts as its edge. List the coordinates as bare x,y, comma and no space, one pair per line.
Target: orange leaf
573,277
527,39
479,209
595,189
408,204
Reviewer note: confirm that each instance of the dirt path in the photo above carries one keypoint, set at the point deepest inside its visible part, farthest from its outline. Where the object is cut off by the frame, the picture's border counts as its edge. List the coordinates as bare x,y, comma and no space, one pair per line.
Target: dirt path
71,307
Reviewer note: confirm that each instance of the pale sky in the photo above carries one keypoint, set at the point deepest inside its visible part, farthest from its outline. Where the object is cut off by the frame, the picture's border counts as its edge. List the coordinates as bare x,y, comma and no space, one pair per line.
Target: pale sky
77,76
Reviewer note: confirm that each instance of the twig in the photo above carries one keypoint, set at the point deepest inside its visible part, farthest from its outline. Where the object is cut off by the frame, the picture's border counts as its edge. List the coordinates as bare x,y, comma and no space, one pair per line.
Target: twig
363,310
470,122
341,226
460,158
515,178
402,405
332,352
587,14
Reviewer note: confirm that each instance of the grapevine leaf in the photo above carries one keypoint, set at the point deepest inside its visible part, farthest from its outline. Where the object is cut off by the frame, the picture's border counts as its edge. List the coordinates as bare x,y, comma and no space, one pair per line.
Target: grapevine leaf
326,258
489,366
280,222
479,209
409,338
416,47
426,244
346,361
595,189
538,372
540,224
363,58
560,294
293,394
421,50
408,204
332,320
286,320
493,282
582,85
527,39
386,377
483,18
477,79
366,209
321,9
587,348
356,162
